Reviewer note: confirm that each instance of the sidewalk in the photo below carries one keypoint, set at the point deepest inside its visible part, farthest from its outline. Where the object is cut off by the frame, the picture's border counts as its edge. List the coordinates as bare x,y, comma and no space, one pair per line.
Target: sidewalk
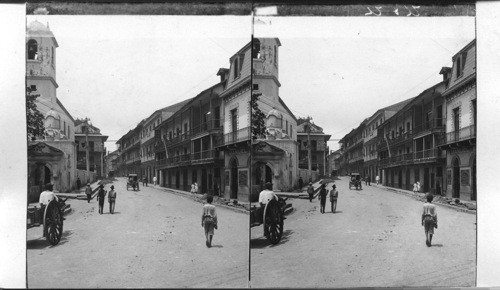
234,205
463,206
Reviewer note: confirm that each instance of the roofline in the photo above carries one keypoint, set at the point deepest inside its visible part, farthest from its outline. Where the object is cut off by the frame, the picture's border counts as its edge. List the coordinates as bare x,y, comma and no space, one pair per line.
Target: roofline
286,108
64,109
466,47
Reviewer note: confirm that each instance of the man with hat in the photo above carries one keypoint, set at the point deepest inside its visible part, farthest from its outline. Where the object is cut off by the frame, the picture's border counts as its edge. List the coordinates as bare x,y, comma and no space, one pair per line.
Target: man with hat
101,193
88,192
310,191
111,199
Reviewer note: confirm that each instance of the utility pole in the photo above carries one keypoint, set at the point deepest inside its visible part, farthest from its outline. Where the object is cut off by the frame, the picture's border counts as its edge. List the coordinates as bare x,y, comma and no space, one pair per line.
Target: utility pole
87,158
308,130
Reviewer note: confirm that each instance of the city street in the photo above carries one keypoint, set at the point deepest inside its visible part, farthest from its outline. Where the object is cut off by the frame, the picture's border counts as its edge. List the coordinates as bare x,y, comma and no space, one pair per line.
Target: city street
374,239
154,239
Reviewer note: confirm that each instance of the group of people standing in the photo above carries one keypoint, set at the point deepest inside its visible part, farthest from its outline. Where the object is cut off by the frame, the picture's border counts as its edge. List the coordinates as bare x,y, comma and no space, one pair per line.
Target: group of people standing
101,194
323,194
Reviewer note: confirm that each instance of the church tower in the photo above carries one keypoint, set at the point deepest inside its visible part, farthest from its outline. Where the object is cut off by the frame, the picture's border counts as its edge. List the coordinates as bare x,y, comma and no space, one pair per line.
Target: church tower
265,67
41,61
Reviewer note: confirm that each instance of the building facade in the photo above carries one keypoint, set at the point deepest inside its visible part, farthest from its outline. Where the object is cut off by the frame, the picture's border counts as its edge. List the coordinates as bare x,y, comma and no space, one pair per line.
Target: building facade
370,141
461,123
236,116
85,132
408,143
319,149
274,155
129,146
186,144
51,158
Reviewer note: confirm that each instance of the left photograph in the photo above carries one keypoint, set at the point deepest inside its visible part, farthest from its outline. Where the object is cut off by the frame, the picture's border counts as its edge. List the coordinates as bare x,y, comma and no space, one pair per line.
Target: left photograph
127,148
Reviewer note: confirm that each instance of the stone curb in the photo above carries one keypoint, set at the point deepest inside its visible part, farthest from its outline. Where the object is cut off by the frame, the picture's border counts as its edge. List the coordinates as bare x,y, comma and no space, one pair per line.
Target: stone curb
197,199
438,203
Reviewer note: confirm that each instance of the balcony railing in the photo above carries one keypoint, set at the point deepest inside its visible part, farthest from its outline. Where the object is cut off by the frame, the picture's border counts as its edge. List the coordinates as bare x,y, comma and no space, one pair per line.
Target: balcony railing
406,158
461,135
237,136
434,124
204,155
207,126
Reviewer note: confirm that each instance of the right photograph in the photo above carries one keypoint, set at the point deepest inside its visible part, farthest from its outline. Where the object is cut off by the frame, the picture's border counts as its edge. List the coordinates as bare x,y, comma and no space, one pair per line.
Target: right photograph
363,161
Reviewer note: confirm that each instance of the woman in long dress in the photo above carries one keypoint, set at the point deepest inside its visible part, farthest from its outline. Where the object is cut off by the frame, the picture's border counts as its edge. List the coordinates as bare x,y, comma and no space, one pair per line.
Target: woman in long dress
209,220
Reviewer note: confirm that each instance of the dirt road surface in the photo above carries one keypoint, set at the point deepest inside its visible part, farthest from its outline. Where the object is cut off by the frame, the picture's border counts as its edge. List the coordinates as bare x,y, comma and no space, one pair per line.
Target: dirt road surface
374,240
154,239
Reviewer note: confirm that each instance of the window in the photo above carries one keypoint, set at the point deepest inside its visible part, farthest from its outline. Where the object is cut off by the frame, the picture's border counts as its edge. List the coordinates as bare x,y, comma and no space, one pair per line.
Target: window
286,127
235,65
186,127
255,87
33,87
32,49
408,127
52,58
291,130
460,64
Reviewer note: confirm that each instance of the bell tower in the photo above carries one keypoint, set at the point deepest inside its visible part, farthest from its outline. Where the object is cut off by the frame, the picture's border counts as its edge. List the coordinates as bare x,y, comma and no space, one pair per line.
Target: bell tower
41,60
265,67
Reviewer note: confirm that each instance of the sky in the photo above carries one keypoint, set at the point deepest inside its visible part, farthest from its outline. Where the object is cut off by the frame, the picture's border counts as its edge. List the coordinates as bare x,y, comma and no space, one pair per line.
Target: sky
341,70
118,70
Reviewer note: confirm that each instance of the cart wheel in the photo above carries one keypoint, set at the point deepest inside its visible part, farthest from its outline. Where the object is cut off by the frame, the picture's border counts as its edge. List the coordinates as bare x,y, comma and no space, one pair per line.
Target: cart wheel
273,222
53,223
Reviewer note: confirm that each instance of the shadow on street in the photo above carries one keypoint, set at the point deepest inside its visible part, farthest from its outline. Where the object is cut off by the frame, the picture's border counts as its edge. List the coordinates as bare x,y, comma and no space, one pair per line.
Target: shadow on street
42,243
263,242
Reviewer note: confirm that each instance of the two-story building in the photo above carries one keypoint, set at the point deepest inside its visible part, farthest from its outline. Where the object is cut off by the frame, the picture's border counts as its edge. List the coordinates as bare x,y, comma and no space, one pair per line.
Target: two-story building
88,138
408,143
461,123
51,158
309,131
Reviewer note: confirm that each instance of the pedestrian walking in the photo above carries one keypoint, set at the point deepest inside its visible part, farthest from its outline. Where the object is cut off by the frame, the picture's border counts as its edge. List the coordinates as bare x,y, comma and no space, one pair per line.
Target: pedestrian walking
429,219
322,198
209,220
301,184
88,192
146,181
310,191
78,183
155,180
418,186
377,179
369,180
415,187
101,193
333,197
193,188
112,199
366,180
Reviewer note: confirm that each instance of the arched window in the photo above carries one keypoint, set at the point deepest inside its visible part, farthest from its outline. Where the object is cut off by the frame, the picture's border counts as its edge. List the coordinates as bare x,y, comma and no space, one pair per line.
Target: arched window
52,59
32,49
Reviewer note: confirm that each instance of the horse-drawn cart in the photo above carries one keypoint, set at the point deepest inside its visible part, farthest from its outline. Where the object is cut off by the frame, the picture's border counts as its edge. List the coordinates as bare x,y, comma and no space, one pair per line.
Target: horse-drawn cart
271,217
49,216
